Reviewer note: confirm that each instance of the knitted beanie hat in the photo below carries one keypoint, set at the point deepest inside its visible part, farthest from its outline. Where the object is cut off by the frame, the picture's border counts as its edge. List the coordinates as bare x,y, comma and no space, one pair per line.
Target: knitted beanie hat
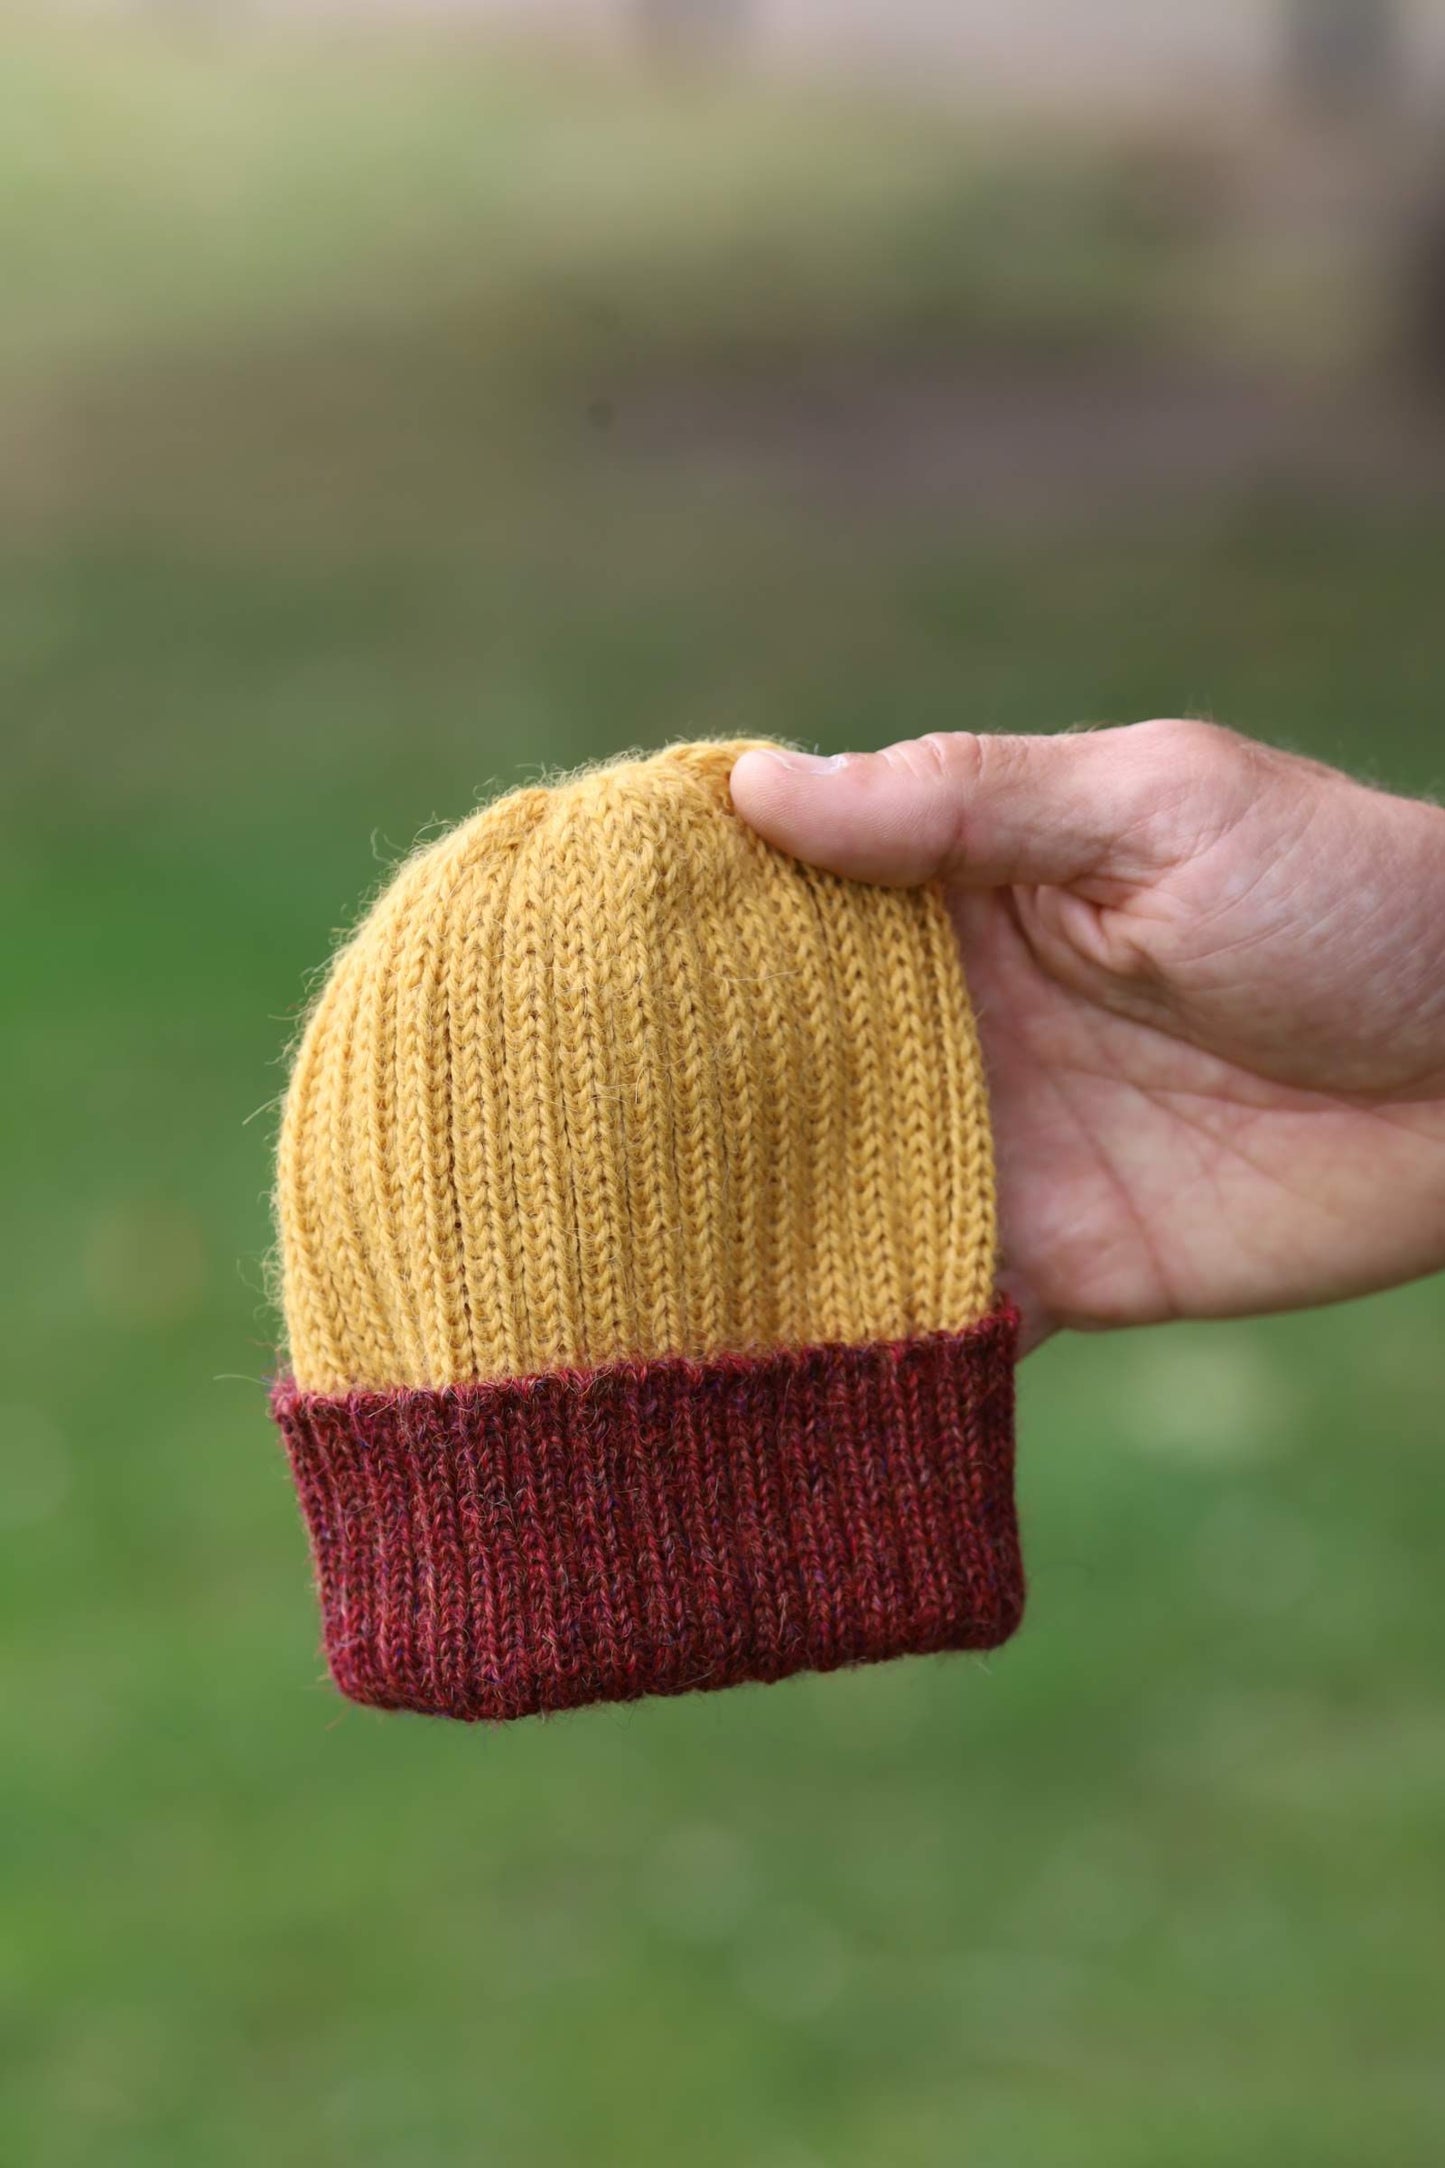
636,1219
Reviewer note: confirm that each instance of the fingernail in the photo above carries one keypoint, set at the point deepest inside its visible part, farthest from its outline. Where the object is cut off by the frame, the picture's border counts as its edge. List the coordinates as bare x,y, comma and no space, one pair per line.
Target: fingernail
806,763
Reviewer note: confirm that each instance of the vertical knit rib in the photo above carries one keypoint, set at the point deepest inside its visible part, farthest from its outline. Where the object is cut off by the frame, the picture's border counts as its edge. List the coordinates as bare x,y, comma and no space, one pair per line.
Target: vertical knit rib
636,1203
603,1078
496,1549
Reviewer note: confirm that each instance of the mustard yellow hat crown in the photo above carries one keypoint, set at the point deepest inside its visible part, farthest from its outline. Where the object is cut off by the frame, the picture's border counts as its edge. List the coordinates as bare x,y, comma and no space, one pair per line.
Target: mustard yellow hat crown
636,1213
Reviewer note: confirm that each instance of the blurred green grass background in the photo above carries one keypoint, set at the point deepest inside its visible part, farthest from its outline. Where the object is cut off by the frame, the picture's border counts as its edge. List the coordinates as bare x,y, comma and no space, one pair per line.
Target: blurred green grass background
316,528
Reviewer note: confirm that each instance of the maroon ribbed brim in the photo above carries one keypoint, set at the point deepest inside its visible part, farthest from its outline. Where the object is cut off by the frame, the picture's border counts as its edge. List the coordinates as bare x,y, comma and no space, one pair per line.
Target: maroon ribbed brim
492,1550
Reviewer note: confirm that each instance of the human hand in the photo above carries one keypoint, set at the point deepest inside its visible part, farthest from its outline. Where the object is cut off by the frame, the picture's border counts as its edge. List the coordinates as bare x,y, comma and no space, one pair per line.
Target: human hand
1210,986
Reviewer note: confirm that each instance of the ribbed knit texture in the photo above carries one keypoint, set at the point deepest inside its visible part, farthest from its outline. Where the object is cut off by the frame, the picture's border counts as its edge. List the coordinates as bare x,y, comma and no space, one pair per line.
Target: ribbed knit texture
603,1076
655,1528
636,1210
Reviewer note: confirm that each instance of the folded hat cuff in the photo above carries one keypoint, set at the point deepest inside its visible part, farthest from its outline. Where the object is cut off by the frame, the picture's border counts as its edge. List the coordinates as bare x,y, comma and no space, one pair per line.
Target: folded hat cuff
493,1550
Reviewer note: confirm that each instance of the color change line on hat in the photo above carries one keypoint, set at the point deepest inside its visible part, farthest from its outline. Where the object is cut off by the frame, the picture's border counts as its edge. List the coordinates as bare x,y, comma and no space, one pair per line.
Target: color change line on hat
636,1211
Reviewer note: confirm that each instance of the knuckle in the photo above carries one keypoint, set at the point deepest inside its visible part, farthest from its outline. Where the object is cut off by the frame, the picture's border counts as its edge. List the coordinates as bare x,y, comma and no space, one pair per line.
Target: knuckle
1191,760
958,761
1191,739
939,757
950,766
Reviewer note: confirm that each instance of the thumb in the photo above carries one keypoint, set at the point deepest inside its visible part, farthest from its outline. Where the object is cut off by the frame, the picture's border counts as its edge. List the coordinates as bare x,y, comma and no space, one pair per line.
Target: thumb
988,812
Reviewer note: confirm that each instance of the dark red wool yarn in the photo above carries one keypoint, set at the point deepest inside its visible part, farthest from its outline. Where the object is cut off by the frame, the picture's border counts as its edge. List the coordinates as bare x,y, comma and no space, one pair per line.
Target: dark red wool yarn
494,1550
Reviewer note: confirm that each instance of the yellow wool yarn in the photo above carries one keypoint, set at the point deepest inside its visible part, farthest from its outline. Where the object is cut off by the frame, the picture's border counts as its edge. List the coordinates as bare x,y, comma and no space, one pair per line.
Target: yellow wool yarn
603,1075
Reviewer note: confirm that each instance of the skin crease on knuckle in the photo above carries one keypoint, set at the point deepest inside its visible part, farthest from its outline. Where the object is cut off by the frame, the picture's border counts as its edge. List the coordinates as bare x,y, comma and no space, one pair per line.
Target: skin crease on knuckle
956,760
948,757
949,762
973,770
946,764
